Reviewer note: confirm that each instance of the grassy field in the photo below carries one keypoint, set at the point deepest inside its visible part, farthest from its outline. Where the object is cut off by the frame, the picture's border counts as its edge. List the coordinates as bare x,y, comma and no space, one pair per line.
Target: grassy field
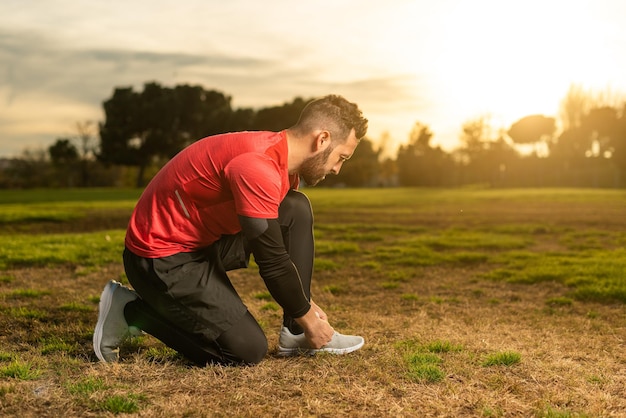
486,303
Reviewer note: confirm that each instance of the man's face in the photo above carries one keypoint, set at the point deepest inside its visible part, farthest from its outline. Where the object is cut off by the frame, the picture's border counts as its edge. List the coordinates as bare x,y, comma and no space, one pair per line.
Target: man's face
315,168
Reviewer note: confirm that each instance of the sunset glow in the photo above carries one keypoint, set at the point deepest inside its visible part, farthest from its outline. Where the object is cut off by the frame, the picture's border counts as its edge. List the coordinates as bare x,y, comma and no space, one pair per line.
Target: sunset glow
439,63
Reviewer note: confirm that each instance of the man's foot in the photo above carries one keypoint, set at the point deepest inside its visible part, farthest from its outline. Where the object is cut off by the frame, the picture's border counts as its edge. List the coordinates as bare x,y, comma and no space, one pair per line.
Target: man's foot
112,328
290,344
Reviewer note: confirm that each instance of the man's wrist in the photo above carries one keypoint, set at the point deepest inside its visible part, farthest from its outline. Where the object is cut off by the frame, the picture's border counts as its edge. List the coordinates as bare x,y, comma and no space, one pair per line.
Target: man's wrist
307,319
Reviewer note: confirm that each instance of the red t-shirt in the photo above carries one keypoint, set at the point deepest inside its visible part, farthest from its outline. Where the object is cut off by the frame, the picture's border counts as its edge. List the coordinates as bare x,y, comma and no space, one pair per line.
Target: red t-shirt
196,197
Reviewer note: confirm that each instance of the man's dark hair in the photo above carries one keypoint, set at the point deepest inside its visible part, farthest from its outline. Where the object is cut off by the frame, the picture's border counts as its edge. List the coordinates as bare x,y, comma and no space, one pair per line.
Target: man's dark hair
335,114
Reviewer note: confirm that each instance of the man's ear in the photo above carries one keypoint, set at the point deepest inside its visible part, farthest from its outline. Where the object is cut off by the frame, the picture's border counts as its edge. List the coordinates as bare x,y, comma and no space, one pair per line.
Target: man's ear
322,141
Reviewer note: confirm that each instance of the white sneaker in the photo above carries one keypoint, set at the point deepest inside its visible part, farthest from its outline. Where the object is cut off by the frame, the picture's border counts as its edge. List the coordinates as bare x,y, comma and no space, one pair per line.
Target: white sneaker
112,328
290,344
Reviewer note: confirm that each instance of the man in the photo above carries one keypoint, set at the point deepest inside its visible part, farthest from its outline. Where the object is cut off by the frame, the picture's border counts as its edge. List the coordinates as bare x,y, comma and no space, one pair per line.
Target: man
215,203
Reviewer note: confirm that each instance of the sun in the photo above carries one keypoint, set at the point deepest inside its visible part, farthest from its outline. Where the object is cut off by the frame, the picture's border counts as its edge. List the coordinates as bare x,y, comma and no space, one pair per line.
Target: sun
508,60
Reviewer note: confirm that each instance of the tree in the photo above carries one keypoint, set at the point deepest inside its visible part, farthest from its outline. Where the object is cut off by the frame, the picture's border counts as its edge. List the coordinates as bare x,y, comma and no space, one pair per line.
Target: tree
277,118
574,106
420,164
31,169
568,151
64,157
605,129
86,149
410,155
601,125
199,113
483,158
594,136
533,129
142,127
240,120
387,165
475,134
118,144
502,159
619,147
63,152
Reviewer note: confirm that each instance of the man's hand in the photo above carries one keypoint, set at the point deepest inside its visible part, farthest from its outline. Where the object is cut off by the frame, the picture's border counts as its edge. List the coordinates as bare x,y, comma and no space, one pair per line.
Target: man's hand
320,313
317,331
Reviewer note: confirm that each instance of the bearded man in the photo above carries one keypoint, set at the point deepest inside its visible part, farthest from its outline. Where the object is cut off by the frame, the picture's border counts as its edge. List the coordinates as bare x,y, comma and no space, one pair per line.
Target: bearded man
216,202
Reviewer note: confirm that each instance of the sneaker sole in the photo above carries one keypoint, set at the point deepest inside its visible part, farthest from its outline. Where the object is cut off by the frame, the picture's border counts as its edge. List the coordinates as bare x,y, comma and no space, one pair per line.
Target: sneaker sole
103,310
285,352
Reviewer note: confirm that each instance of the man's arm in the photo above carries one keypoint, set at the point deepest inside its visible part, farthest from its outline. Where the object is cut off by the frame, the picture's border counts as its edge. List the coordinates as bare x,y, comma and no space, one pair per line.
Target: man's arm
276,268
281,277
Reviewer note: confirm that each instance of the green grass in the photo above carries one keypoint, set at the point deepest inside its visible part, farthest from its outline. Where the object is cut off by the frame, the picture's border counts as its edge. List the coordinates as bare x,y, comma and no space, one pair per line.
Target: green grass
78,195
334,289
55,344
597,275
27,294
161,354
265,295
472,240
86,386
6,279
390,285
40,213
424,367
20,370
434,199
504,358
407,256
87,249
467,258
76,307
87,389
324,264
425,373
270,306
323,247
24,312
120,404
423,361
592,263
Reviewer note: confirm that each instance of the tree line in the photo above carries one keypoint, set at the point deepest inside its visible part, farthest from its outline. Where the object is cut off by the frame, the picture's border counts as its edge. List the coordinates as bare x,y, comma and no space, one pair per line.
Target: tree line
142,130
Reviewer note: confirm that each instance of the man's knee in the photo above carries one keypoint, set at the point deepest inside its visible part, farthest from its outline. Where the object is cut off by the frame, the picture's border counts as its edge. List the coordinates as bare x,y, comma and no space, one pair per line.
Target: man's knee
296,205
256,352
244,343
247,351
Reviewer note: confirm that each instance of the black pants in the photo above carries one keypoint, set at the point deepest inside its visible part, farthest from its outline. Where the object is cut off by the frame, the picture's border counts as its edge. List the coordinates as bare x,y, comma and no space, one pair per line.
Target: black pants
188,302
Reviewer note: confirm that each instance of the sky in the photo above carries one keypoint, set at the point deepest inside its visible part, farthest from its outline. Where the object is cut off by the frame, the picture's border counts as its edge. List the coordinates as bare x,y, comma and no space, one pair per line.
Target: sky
441,63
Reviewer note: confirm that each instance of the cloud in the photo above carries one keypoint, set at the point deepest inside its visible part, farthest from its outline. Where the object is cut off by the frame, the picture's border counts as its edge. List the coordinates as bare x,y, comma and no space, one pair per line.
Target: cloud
34,63
46,86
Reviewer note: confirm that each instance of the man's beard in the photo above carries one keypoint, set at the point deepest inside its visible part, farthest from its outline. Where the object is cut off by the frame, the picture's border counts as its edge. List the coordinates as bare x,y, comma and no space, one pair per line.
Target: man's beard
313,169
